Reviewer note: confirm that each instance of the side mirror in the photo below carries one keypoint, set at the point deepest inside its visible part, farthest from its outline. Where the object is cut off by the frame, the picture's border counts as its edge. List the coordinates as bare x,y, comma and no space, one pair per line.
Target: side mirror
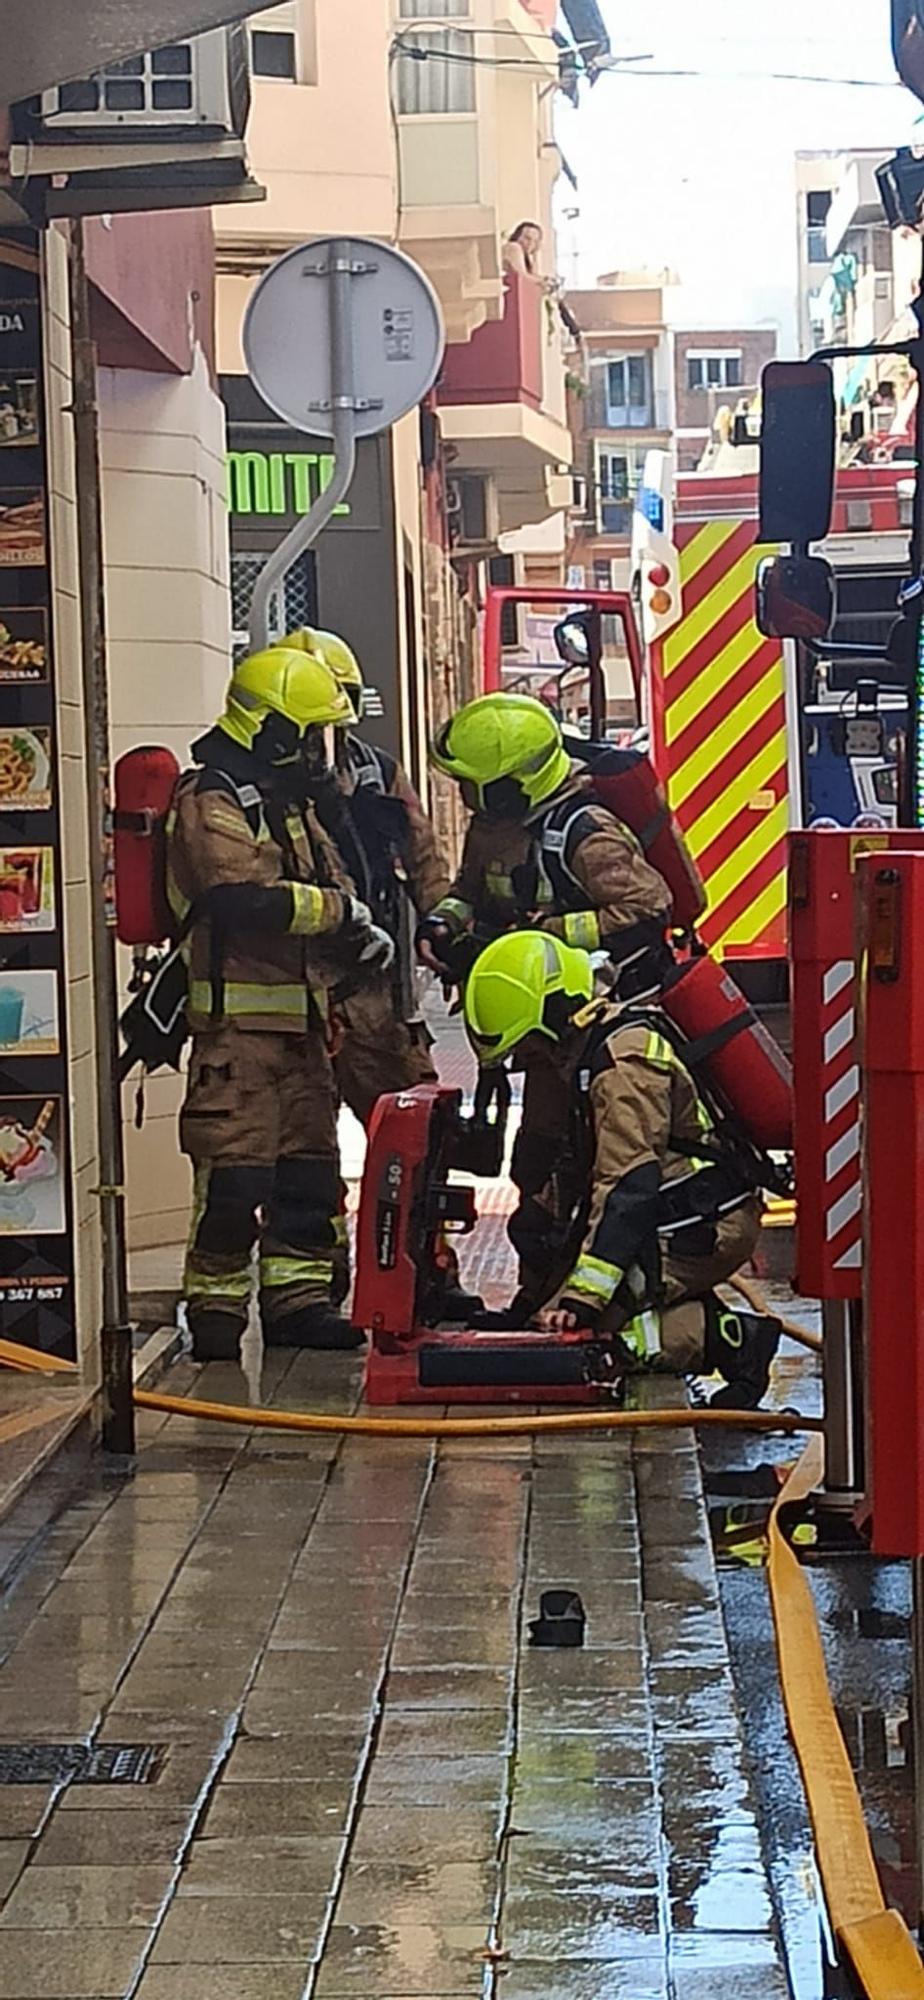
572,640
796,597
797,447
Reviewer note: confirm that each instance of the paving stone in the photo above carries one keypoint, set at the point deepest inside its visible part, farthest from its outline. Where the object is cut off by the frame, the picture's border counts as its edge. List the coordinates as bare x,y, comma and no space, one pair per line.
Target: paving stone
453,1782
262,1865
240,1810
619,1823
278,1714
13,1857
422,1732
582,1754
614,1670
22,1809
414,1833
244,1930
122,1898
483,1645
87,1840
225,1982
634,1978
398,1894
69,1965
326,1760
604,1922
373,1961
450,1688
726,1966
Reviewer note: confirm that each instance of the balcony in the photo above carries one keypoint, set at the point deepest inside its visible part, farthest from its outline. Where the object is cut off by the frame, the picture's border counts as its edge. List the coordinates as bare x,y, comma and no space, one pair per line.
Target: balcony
502,363
501,396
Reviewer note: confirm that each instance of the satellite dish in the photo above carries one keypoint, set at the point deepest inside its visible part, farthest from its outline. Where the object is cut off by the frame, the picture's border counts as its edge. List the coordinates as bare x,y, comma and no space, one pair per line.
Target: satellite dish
395,331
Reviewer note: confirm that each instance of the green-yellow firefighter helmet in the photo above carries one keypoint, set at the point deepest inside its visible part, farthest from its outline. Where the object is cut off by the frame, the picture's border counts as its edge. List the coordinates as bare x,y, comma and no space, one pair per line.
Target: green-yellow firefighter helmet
524,983
506,752
282,682
337,655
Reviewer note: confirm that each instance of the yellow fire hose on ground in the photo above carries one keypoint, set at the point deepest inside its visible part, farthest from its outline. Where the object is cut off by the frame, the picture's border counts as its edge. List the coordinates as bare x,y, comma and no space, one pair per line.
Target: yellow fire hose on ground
876,1939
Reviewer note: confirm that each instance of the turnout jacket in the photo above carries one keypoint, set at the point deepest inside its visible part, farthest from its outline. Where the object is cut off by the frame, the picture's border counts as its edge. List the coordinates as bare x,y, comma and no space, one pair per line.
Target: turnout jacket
382,826
268,968
656,1164
571,866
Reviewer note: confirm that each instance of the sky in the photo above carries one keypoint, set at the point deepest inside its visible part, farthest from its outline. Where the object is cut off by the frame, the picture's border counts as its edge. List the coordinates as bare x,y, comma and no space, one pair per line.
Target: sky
695,172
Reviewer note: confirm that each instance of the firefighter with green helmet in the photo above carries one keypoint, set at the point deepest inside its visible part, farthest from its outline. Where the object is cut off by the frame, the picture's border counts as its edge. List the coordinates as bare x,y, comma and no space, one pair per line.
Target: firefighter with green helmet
387,844
540,850
646,1208
269,923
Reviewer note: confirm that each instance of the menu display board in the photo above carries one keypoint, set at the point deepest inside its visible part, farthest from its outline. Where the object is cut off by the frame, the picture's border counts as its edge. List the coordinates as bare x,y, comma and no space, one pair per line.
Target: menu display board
36,1220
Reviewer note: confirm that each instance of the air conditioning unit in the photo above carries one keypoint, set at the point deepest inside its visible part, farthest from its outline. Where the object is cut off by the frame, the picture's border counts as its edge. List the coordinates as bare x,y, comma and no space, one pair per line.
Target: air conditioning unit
195,86
471,503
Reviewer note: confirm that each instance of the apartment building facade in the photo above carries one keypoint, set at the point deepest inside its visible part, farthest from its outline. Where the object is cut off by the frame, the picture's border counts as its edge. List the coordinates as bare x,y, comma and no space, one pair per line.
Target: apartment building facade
716,375
621,400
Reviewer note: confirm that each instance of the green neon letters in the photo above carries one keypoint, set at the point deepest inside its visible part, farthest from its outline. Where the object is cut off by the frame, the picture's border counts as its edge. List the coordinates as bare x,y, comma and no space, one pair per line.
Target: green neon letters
278,482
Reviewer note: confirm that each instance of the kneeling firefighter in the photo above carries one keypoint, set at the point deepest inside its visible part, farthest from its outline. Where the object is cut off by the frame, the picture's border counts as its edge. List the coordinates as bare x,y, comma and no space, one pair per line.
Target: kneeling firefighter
388,846
269,922
650,1206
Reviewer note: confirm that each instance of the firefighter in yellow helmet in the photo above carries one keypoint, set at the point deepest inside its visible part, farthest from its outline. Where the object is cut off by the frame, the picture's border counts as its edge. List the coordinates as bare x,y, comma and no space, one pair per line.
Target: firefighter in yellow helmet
646,1210
269,923
390,851
540,850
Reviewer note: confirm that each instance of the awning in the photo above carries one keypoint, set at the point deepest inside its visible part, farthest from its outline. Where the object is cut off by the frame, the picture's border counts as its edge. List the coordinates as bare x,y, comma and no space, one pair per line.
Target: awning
588,29
51,41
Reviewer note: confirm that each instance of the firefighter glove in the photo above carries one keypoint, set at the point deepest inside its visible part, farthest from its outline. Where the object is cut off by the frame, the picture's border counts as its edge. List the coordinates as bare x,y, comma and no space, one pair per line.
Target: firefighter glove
438,935
374,947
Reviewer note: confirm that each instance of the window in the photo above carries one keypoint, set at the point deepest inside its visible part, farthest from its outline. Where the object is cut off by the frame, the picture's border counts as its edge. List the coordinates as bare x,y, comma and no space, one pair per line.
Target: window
274,43
618,475
720,369
603,573
273,54
627,392
440,77
817,204
434,10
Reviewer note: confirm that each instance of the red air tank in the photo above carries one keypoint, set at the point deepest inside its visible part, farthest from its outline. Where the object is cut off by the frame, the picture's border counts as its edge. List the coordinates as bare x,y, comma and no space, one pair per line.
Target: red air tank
145,781
627,784
732,1050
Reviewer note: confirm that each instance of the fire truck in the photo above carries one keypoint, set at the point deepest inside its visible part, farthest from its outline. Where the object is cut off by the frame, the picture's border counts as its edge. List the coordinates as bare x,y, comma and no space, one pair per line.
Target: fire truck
749,735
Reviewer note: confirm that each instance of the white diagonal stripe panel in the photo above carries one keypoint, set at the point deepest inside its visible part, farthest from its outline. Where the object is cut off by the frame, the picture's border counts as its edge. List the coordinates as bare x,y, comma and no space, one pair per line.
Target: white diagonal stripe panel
841,1092
840,1035
851,1259
843,1150
843,1211
836,978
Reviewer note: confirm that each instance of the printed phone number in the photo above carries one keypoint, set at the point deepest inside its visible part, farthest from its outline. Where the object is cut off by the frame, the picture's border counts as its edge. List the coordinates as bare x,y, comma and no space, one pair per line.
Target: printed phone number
24,1295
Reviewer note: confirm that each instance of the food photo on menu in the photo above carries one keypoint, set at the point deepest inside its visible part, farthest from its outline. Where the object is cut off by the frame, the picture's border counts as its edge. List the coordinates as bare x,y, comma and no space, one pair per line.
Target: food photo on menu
25,769
27,889
29,1023
31,1167
23,644
22,527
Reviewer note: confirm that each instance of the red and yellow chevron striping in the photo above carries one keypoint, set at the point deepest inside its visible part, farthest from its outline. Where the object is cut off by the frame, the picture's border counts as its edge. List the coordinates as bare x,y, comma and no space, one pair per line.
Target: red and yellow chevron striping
722,721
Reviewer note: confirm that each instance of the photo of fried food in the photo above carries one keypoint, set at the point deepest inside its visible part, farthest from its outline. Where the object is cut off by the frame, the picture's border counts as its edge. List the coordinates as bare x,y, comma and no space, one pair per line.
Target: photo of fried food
18,763
23,644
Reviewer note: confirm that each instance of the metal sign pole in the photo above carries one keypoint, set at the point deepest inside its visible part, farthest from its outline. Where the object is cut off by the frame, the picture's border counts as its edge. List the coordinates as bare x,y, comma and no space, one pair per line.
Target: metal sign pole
338,273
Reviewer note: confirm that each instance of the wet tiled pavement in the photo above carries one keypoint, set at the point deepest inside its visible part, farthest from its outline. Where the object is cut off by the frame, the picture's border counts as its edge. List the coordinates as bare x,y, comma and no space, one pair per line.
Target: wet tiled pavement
370,1785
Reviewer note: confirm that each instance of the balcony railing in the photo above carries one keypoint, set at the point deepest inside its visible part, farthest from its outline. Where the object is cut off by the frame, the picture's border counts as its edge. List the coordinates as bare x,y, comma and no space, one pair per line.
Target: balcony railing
502,363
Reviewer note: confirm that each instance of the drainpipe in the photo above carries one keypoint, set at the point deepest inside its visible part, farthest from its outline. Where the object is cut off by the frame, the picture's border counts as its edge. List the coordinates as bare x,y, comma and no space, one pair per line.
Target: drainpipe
118,1428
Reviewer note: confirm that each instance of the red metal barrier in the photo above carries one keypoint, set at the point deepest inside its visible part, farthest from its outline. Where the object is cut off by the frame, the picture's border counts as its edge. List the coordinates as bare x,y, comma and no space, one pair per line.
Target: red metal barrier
892,905
826,1061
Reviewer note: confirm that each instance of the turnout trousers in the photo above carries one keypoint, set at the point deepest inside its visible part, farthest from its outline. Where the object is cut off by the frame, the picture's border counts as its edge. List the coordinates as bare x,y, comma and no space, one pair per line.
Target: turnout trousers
259,1125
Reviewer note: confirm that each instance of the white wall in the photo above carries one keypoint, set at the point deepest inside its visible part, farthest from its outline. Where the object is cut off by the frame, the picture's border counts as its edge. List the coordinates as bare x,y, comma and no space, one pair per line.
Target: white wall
165,538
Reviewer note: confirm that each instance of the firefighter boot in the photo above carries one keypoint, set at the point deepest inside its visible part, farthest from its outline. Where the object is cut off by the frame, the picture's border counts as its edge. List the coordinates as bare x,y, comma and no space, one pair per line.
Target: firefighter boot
315,1324
216,1334
740,1346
